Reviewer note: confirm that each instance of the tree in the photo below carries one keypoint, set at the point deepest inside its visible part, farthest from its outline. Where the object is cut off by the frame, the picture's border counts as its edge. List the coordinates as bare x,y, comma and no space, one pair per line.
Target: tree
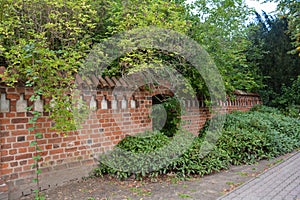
220,27
217,26
269,50
289,9
42,43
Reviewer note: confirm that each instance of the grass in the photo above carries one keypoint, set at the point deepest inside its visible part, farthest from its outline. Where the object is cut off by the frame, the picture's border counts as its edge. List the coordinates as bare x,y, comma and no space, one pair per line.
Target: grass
140,191
185,196
242,173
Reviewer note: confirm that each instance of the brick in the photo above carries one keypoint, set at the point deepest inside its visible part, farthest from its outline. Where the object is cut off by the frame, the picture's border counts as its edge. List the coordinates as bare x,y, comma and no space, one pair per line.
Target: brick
4,133
88,162
41,141
27,167
60,167
5,146
72,138
42,154
19,114
22,150
12,151
47,135
30,137
62,156
20,126
74,164
4,152
41,119
56,151
13,164
11,90
24,156
30,161
71,149
4,121
10,114
26,174
19,120
19,132
6,171
61,161
21,144
23,162
13,96
10,127
13,176
55,140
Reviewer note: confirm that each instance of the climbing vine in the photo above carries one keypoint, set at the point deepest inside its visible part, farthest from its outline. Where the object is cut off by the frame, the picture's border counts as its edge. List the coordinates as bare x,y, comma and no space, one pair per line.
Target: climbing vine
43,44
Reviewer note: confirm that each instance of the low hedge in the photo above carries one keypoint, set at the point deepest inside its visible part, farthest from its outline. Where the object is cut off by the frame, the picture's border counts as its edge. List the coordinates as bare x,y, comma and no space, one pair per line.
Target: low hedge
246,137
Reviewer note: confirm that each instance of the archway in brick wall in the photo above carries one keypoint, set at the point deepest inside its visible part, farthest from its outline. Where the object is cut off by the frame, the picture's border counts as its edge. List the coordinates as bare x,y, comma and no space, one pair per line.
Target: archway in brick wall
165,113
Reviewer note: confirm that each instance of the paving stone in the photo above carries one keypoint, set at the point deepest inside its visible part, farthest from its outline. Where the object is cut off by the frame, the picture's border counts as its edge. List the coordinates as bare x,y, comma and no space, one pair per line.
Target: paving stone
281,182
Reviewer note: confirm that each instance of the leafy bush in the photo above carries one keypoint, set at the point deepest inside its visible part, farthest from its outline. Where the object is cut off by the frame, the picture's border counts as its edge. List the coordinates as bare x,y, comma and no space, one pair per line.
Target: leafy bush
172,108
261,133
149,153
289,99
147,143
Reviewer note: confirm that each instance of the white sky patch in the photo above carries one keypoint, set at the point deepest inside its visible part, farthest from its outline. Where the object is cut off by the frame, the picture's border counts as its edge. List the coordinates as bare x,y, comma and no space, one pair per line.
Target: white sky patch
268,7
259,6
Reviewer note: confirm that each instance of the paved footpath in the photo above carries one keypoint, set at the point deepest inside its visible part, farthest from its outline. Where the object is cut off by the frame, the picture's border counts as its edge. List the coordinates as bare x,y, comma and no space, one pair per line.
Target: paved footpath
281,182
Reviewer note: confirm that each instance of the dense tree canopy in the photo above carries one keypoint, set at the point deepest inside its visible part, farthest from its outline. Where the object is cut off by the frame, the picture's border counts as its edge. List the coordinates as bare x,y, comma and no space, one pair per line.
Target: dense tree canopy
43,43
220,27
271,44
290,9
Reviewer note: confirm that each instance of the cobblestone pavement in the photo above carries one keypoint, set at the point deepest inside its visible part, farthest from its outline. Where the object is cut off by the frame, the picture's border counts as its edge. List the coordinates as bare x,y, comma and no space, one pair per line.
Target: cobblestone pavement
281,182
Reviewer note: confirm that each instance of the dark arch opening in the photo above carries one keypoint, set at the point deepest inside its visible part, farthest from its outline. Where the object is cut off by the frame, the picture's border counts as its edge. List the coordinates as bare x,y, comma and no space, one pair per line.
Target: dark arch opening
165,114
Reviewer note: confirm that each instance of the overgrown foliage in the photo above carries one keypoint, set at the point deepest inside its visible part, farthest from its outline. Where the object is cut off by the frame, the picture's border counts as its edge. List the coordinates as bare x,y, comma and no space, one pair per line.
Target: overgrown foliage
166,115
247,137
220,27
269,52
290,9
42,44
289,100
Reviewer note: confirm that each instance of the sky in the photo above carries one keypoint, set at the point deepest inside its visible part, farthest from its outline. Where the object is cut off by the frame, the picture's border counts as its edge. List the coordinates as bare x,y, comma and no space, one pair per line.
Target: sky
267,7
258,5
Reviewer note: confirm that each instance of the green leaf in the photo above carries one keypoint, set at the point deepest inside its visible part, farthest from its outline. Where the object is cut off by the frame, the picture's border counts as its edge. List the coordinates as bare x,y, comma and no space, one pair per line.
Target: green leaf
38,135
29,108
31,128
33,143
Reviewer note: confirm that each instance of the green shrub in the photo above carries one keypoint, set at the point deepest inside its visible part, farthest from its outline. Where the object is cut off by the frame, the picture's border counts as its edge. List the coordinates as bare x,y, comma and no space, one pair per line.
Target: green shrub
145,143
246,137
172,108
143,155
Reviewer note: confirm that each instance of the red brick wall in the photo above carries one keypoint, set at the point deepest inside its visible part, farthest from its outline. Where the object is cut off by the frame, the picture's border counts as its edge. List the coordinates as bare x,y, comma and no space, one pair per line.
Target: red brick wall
65,157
